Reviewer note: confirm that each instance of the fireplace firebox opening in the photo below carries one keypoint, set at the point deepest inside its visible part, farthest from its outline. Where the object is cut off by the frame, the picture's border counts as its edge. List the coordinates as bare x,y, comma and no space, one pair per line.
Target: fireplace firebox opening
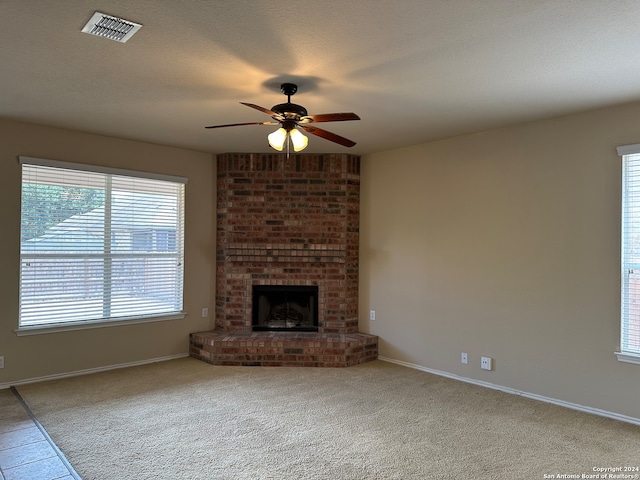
285,308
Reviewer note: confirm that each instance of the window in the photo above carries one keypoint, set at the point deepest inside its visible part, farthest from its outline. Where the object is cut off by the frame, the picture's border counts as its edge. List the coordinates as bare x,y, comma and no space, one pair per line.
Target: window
98,245
630,255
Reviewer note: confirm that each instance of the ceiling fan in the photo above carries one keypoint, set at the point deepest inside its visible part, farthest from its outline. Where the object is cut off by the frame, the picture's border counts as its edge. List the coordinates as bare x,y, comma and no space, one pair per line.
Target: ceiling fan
292,118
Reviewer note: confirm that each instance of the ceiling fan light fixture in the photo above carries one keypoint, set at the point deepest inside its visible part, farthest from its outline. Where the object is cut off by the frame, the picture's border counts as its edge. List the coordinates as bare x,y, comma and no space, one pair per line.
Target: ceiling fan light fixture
299,141
277,139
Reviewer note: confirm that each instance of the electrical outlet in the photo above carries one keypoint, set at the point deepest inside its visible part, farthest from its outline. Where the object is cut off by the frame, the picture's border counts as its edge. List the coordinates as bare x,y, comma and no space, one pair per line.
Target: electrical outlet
463,358
205,312
485,363
372,315
2,361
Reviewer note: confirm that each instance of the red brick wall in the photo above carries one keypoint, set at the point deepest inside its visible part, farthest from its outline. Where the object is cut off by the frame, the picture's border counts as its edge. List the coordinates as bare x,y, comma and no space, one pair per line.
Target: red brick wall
288,221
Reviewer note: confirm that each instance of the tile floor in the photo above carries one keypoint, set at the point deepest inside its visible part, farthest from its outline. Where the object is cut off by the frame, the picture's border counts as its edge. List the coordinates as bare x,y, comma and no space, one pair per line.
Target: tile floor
26,451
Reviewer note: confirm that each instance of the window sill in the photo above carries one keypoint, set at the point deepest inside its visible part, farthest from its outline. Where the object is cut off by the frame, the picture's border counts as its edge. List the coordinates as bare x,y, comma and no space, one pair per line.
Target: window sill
71,326
628,357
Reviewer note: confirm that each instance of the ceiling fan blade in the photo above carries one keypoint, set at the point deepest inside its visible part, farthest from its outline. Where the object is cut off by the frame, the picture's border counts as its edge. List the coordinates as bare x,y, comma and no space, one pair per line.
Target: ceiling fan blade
328,135
263,110
240,124
330,117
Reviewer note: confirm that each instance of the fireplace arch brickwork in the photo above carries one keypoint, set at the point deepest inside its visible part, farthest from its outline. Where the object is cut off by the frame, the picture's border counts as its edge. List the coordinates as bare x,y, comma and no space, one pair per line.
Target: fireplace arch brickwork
288,221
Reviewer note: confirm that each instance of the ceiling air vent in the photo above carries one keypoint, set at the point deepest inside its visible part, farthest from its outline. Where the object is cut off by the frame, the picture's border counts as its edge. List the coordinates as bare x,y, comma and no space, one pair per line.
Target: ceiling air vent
113,28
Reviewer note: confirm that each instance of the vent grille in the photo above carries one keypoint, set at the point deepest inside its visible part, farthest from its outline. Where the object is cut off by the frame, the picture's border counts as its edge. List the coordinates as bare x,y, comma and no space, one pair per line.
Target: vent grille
113,28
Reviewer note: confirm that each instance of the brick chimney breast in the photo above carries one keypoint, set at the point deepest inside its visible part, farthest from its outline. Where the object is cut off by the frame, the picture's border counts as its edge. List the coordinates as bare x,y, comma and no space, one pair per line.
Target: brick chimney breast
289,221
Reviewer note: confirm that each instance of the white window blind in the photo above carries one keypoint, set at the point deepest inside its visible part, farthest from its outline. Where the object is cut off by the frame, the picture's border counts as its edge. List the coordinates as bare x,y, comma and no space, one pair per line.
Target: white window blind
630,255
98,246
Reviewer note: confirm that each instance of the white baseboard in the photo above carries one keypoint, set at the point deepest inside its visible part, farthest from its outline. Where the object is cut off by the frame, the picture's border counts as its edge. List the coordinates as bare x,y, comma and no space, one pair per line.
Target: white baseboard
562,403
91,370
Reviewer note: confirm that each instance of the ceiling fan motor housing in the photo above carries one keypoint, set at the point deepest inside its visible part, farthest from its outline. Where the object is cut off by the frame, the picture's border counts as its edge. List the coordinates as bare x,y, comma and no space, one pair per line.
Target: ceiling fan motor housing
290,110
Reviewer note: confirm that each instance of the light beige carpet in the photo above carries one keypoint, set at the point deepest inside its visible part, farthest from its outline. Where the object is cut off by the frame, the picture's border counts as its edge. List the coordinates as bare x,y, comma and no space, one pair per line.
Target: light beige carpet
184,419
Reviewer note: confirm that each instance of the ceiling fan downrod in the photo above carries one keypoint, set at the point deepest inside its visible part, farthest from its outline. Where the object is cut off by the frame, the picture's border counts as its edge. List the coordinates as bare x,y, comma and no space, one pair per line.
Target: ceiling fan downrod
290,110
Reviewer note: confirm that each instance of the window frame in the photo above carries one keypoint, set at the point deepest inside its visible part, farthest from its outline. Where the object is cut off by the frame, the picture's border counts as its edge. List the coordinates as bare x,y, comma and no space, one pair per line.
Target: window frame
118,320
626,152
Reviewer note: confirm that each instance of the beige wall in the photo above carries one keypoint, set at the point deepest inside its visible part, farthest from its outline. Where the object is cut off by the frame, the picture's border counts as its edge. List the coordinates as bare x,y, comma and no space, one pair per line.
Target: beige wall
506,244
503,243
28,357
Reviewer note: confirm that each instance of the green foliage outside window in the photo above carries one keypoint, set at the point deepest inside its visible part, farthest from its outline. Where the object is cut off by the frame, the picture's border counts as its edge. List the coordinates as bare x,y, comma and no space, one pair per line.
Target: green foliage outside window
44,206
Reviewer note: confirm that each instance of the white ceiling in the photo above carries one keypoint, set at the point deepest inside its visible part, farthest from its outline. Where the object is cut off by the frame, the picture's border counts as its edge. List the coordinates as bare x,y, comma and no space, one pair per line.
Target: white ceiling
414,70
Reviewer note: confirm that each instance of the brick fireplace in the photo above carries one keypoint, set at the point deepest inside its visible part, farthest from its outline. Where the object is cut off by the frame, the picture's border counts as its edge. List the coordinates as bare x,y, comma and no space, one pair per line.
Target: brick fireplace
286,222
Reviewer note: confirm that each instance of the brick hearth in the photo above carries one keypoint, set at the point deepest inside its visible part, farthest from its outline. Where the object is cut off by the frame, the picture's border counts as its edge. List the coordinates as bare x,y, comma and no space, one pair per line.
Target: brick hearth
293,349
287,221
